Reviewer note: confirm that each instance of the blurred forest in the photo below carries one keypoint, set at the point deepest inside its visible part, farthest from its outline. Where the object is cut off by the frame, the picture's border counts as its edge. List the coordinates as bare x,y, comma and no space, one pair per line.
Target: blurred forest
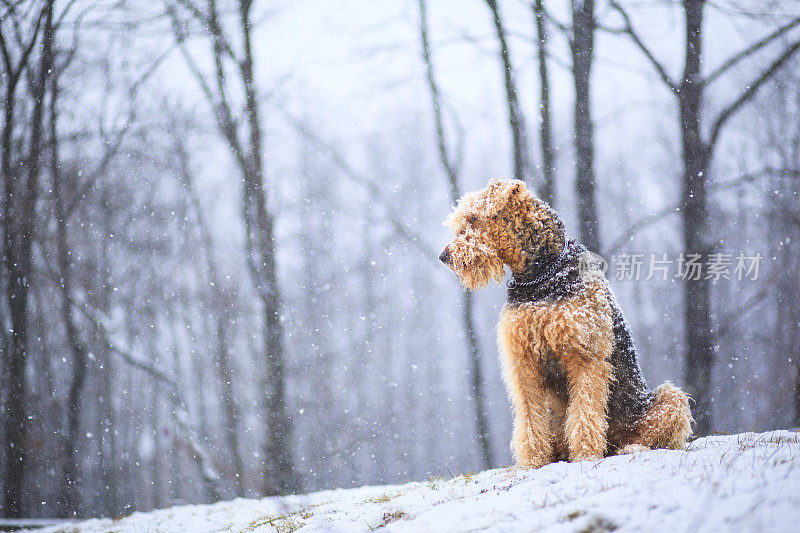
221,219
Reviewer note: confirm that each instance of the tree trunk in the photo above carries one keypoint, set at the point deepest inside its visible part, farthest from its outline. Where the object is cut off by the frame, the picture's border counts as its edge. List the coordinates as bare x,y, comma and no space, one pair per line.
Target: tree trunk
788,333
476,374
547,189
222,358
784,234
19,210
17,255
793,333
582,46
111,467
70,491
279,476
697,152
158,468
796,355
468,321
17,298
516,119
697,297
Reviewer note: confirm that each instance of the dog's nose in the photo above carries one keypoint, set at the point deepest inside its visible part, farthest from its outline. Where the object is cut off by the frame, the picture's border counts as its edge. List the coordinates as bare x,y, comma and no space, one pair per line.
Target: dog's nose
444,257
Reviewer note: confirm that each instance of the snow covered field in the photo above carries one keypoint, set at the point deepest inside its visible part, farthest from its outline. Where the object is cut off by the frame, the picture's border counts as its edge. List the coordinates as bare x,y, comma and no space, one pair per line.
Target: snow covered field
746,482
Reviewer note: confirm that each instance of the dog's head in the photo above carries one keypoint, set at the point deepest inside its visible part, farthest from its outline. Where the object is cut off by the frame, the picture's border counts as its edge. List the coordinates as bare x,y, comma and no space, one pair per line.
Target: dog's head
501,224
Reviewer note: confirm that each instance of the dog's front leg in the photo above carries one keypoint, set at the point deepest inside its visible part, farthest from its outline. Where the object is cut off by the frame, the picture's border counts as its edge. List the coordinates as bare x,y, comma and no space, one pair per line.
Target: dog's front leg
531,439
588,380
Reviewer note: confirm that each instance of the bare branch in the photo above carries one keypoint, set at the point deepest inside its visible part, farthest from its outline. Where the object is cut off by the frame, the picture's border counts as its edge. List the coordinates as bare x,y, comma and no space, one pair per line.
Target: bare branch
752,49
6,55
444,155
564,28
640,225
542,39
516,119
368,185
662,72
211,23
654,218
180,37
219,67
748,93
108,338
186,429
113,146
754,176
742,310
610,30
221,108
64,13
14,72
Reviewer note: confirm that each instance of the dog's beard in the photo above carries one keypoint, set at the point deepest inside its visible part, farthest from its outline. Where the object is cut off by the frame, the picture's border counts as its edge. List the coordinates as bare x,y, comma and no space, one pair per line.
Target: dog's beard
476,265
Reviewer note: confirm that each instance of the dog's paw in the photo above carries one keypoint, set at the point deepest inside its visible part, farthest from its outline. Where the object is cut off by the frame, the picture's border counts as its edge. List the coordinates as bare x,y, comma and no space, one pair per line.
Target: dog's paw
578,457
531,465
532,462
632,448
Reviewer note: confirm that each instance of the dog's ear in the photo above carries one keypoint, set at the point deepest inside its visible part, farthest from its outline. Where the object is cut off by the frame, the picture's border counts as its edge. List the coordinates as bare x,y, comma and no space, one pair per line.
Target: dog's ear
506,187
515,188
516,196
504,192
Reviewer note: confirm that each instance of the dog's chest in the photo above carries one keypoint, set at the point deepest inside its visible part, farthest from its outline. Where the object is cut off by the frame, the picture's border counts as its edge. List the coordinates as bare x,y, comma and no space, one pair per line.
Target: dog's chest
522,331
545,334
539,331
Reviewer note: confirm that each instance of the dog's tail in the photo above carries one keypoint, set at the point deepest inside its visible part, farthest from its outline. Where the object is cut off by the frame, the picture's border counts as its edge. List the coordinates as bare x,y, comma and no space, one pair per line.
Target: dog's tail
668,422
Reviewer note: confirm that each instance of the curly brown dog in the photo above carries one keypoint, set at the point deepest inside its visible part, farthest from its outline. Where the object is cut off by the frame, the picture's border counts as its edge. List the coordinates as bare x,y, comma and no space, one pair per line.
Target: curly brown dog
567,354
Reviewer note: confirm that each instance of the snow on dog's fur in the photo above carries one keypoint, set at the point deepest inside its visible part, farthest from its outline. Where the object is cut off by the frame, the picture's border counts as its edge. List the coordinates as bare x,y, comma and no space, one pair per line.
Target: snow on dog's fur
568,358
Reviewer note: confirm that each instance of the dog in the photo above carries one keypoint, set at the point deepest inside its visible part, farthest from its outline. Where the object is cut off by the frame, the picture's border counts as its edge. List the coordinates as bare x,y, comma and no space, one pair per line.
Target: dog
568,358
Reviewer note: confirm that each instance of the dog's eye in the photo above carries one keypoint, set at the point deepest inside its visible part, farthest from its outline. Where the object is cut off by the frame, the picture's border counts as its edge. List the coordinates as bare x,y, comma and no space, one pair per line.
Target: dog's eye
472,219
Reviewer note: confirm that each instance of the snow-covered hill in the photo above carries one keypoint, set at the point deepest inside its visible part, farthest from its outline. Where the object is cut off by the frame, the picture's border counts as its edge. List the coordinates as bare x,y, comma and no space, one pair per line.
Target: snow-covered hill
746,482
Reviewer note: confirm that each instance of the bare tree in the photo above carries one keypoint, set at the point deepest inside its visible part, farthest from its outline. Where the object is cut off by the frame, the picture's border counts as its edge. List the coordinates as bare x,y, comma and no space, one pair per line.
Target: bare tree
76,346
547,189
222,359
451,164
21,187
697,152
778,116
246,145
129,294
582,48
516,117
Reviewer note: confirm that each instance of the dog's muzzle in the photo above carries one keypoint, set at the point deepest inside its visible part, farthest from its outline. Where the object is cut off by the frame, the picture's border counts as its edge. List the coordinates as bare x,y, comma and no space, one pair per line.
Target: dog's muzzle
444,257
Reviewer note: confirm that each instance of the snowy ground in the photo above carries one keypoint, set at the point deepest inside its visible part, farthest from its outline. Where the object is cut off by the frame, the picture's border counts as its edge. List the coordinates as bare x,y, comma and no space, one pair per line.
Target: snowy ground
746,482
